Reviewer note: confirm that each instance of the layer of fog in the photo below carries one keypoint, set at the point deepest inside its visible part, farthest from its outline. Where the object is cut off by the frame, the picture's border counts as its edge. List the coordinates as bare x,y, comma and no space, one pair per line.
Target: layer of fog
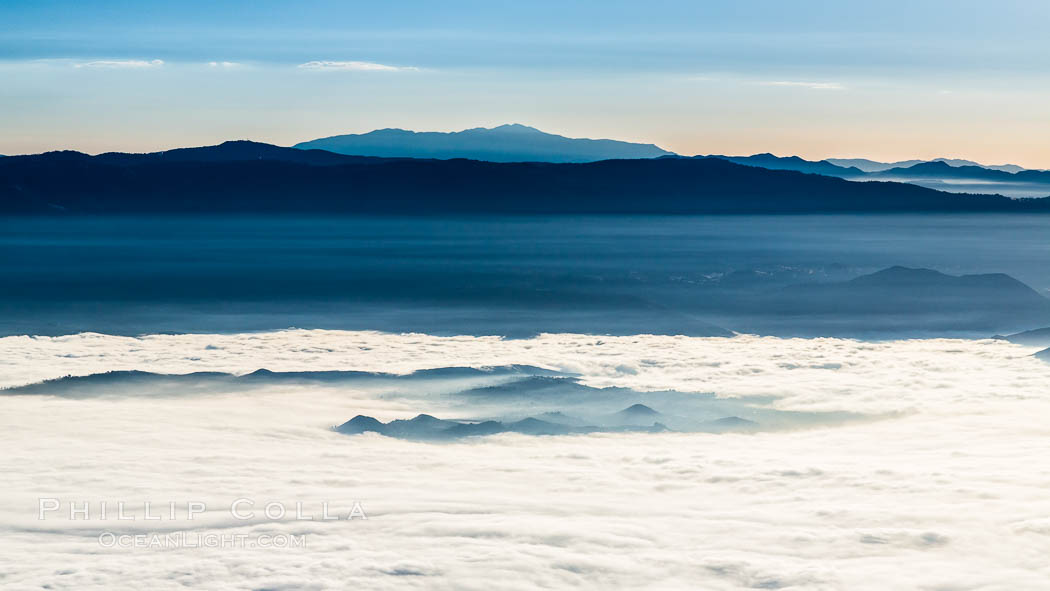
473,401
947,493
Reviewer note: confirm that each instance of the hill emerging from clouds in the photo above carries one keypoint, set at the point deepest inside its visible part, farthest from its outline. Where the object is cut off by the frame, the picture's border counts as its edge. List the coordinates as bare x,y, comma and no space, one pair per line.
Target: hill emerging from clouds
506,143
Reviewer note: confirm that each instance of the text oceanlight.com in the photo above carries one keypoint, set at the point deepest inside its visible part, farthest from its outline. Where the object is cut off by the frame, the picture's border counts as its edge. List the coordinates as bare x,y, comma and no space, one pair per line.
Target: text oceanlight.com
182,539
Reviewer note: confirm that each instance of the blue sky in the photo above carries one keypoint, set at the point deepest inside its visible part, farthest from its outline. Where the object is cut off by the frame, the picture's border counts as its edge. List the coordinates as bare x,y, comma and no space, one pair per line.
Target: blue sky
815,78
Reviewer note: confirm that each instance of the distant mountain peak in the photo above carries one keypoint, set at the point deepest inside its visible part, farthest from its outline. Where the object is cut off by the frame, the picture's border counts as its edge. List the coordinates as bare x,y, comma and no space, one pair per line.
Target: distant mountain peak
510,142
639,409
514,127
425,418
229,143
795,163
902,271
868,165
898,276
937,165
360,424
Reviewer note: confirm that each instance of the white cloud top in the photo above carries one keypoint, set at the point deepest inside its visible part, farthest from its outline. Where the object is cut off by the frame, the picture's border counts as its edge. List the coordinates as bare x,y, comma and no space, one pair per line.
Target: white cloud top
946,492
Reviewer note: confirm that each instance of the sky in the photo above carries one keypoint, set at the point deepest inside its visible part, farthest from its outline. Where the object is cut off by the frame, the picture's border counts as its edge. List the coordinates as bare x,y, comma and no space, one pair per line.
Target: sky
888,80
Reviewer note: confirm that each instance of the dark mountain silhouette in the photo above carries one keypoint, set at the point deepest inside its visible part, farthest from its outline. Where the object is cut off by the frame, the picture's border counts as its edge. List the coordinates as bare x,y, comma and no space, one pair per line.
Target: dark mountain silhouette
942,176
562,419
427,428
945,171
243,177
771,162
633,415
729,424
886,304
954,176
135,381
1044,355
917,285
939,170
478,429
873,166
231,151
506,143
534,426
361,424
928,278
1039,337
638,410
963,162
972,300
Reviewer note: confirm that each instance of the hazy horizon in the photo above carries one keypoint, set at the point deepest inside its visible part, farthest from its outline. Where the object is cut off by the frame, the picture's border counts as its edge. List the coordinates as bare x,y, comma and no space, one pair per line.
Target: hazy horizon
546,131
888,82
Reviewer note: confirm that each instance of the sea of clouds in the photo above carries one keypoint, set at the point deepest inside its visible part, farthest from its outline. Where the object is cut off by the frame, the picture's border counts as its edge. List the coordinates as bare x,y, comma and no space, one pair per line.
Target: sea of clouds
944,488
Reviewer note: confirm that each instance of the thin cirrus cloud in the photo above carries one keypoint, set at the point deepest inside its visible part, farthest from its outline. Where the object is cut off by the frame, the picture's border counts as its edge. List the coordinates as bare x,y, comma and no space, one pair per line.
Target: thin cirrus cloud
353,66
121,64
803,84
223,64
